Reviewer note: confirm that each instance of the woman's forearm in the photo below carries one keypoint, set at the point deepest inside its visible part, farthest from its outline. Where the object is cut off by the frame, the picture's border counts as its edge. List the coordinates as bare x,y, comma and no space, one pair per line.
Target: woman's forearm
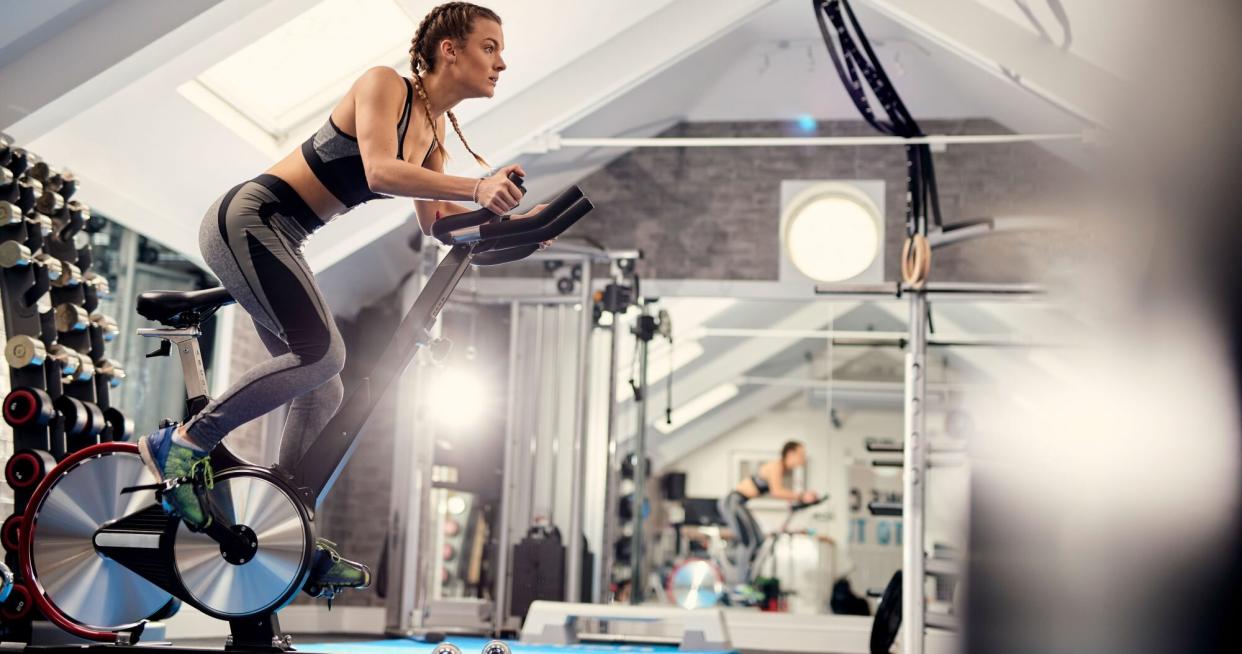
405,179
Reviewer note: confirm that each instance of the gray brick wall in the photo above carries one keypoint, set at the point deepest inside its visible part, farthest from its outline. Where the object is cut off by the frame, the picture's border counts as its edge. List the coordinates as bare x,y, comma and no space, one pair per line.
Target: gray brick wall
714,213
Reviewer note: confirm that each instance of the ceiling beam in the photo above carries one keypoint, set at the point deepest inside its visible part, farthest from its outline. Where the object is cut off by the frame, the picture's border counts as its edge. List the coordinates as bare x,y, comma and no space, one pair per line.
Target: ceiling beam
1009,51
47,85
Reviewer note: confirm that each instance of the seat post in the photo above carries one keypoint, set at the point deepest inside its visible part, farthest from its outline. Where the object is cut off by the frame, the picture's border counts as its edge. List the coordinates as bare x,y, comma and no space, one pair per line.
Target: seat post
186,342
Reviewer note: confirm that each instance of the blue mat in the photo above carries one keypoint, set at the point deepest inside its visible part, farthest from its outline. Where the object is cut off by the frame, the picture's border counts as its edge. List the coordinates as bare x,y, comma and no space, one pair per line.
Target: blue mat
470,645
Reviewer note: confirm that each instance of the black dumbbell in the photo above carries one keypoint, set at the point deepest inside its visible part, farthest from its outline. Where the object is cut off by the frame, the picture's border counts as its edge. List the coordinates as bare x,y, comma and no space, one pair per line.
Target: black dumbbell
6,151
18,161
95,421
26,468
26,406
8,184
18,606
43,223
68,184
11,533
75,414
120,426
28,193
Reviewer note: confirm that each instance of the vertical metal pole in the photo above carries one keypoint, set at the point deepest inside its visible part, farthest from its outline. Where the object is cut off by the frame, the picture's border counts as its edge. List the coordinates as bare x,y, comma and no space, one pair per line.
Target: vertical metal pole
424,464
536,415
637,586
915,468
573,558
610,478
508,484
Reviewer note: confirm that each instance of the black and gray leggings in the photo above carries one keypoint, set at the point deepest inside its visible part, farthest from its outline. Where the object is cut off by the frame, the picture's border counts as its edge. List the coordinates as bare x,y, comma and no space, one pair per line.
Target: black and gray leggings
747,535
251,240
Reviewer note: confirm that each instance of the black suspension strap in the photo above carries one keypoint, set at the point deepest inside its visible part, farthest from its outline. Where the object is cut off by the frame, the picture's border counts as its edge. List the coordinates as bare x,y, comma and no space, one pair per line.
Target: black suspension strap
856,62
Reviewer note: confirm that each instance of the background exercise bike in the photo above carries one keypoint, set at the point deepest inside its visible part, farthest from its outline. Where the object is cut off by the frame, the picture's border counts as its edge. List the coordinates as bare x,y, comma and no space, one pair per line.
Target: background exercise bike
99,561
698,582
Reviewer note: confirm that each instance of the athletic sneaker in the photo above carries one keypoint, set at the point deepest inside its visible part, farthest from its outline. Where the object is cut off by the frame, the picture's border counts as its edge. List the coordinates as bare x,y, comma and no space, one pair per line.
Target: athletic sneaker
181,470
330,572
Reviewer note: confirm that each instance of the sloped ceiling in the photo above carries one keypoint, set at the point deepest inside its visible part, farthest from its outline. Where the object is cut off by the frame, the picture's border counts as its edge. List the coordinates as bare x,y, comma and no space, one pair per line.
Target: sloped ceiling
151,160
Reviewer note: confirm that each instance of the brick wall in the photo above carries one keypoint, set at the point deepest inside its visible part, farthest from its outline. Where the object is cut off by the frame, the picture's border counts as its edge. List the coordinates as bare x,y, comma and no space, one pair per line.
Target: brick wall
714,213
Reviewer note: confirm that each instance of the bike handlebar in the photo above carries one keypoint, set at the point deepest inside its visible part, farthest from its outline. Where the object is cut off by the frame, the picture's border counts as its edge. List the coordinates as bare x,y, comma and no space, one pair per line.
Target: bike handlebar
515,238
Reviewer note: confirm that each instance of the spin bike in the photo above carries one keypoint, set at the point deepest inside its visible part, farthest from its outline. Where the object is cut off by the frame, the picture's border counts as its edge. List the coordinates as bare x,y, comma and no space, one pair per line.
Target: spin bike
99,561
704,582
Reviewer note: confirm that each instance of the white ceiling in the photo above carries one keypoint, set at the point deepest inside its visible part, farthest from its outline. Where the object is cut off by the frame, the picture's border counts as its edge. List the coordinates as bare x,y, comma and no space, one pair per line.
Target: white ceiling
153,161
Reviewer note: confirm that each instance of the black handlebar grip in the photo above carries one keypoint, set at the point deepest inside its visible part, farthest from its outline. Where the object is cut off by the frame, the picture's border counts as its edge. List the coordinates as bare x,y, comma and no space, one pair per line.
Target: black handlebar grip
524,226
548,231
503,256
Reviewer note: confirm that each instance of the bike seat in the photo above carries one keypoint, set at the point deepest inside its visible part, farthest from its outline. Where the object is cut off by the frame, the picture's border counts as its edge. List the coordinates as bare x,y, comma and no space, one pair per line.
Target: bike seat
182,308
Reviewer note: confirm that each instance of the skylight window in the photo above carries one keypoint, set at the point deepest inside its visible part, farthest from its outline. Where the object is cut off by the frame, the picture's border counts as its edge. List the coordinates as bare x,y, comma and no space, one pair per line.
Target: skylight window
282,85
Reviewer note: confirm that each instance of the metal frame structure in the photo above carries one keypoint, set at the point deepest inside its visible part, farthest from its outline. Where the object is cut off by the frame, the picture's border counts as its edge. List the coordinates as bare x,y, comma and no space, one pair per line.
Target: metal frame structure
410,609
916,444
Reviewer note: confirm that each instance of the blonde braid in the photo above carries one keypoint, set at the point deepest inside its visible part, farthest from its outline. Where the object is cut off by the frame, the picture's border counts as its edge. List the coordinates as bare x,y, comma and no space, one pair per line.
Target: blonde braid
417,61
453,19
457,128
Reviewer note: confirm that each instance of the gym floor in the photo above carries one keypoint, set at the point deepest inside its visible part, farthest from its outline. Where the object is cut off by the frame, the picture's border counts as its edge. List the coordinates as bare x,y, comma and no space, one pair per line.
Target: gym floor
321,644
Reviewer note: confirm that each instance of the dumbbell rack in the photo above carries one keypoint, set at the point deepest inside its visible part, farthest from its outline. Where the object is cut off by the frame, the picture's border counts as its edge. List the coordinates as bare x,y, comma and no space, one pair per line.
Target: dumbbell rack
54,348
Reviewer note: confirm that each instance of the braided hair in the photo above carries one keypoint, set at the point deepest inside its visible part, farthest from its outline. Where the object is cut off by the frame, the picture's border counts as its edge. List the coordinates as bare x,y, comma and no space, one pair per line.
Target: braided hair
451,20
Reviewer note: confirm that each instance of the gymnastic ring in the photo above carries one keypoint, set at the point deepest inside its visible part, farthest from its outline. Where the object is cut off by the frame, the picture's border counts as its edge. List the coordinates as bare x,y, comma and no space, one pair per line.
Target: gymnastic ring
915,260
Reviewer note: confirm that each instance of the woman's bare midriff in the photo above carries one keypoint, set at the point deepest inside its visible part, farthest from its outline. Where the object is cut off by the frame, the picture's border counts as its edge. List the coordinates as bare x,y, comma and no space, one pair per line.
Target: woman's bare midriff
298,174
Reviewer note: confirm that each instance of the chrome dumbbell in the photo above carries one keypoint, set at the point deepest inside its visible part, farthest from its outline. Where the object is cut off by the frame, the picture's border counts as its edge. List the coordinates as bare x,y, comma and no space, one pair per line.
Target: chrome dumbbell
70,275
52,264
50,203
102,288
43,222
71,318
84,373
10,214
106,324
21,351
68,358
14,254
111,370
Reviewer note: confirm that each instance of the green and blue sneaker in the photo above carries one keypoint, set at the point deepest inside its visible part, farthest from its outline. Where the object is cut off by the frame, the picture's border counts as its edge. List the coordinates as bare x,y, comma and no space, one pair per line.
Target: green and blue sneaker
330,572
185,476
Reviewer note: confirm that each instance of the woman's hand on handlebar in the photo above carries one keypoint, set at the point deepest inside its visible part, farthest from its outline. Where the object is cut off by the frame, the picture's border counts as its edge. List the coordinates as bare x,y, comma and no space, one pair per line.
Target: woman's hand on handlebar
497,194
534,212
809,497
528,214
